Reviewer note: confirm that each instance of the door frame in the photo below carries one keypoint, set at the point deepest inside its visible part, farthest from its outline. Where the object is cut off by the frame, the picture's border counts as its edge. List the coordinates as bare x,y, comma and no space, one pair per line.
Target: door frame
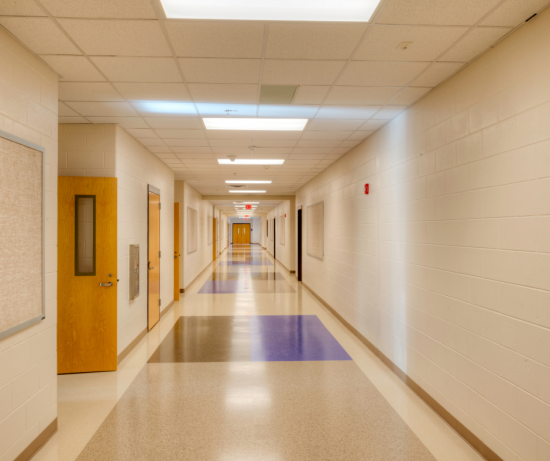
154,190
274,239
215,236
177,253
299,271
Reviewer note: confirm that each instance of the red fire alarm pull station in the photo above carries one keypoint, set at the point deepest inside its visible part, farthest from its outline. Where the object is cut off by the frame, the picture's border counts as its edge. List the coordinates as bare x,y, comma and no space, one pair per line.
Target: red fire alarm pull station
248,207
366,189
285,215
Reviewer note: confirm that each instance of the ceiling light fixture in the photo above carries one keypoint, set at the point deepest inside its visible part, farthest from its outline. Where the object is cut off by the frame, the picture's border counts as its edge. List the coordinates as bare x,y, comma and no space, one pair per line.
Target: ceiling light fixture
246,203
263,124
272,10
248,182
250,161
247,191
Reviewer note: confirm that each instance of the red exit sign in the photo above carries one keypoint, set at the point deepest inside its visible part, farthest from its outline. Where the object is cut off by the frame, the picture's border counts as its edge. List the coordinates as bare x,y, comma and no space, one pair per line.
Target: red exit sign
248,207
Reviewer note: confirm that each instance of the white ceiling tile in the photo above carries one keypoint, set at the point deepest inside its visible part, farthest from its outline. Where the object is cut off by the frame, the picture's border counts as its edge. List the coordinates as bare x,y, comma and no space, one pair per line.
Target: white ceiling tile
88,91
117,37
514,12
284,111
153,91
257,142
73,68
100,109
180,134
427,43
174,123
151,142
232,93
343,112
178,145
166,108
311,94
377,73
477,41
252,135
361,95
326,134
441,12
409,95
159,150
300,72
20,8
334,124
142,133
360,135
41,35
72,120
438,72
193,152
300,162
179,142
349,144
137,9
216,39
65,111
124,122
389,112
312,41
210,70
326,143
259,151
129,69
310,152
373,125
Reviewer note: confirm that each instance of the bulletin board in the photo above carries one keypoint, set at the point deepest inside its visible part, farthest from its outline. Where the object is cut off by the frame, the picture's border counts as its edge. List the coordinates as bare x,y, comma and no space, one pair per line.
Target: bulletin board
22,234
191,230
271,223
282,227
315,230
210,226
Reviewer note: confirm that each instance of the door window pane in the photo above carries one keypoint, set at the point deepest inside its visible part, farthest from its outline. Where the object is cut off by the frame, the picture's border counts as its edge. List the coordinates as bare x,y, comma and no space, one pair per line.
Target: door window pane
85,235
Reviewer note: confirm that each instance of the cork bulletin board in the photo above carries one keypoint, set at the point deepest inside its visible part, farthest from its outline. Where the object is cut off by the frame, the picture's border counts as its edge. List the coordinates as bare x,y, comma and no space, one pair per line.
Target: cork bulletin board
191,230
22,234
315,230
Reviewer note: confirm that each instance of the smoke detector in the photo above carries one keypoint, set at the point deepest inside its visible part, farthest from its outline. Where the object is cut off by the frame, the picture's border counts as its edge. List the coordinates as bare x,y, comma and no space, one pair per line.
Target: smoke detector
232,157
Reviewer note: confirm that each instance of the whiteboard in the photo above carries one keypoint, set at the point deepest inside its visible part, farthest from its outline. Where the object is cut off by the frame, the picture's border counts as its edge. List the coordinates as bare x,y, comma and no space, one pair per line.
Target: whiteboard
22,234
315,230
191,230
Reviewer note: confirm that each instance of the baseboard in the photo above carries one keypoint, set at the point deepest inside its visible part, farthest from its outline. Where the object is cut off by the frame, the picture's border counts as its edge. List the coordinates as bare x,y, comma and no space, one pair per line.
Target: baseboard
39,442
286,268
197,277
163,311
458,427
130,346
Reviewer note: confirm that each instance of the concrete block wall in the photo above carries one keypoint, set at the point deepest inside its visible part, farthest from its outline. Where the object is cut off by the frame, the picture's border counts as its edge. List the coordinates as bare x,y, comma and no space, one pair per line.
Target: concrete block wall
445,265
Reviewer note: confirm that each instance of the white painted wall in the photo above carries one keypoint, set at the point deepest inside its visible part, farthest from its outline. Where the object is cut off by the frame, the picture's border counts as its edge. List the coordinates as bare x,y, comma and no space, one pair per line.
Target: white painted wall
136,168
28,359
445,266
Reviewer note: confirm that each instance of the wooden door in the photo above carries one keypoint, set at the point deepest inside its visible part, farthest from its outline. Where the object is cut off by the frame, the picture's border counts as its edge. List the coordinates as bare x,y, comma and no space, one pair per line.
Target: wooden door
237,237
86,274
245,231
215,238
153,266
176,251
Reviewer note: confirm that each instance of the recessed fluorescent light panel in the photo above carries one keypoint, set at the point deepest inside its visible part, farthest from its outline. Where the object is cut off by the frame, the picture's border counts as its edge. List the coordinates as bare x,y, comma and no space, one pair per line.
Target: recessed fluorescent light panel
250,161
272,10
255,124
246,203
248,182
247,191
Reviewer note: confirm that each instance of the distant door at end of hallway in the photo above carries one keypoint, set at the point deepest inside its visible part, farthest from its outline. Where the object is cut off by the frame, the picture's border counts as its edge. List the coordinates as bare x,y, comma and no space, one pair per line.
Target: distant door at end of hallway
237,236
87,275
153,265
245,231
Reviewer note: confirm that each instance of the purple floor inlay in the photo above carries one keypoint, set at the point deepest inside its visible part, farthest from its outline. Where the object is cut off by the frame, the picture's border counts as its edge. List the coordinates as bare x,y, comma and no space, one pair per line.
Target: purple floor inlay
290,338
246,263
221,287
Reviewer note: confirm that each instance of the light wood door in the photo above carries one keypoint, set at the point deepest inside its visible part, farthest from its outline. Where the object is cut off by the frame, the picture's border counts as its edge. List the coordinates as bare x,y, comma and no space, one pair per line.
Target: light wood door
86,274
245,231
176,251
237,237
153,266
215,237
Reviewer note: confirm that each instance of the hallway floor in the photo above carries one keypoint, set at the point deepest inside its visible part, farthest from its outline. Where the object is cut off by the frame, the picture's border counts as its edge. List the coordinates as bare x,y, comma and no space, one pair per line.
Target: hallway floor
248,366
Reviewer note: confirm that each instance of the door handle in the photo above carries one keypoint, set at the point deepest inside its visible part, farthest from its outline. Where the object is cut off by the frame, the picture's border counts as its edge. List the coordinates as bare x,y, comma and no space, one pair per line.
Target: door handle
151,268
108,284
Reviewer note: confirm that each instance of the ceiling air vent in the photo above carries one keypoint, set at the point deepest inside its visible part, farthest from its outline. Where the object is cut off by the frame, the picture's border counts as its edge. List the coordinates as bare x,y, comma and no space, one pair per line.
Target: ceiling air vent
275,94
237,186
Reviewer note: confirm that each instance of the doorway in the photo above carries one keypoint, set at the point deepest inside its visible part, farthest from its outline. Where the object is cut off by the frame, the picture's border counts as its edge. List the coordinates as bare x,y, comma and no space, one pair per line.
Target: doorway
215,238
153,251
87,275
241,234
299,245
274,239
176,251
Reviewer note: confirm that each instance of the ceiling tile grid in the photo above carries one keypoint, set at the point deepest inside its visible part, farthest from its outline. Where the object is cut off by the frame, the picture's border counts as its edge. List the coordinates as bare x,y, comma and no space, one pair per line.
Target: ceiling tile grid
123,62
